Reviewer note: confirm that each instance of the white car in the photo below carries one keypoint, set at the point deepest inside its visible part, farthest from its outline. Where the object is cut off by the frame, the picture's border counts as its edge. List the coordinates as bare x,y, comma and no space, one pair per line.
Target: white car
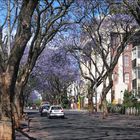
56,111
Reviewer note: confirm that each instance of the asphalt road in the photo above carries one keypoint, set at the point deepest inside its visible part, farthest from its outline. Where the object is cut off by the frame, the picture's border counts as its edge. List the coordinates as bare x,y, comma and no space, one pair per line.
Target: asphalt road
78,125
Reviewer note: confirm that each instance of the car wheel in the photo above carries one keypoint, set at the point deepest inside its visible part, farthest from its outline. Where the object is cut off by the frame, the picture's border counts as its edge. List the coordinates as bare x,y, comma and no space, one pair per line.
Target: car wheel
48,116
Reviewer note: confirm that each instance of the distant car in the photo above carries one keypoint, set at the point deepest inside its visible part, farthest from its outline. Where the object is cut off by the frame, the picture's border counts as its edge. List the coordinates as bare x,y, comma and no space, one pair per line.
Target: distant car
56,111
44,109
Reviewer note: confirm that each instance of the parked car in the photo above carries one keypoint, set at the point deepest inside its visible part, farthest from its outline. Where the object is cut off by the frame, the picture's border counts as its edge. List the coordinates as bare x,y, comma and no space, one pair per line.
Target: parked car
56,111
44,109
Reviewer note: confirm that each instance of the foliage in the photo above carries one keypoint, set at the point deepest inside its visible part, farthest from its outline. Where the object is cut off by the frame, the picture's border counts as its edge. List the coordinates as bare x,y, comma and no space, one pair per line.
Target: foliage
65,102
97,53
37,102
43,20
55,71
116,108
129,100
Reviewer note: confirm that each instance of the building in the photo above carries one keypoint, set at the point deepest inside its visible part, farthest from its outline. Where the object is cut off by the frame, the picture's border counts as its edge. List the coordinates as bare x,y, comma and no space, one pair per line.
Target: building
125,74
122,75
136,70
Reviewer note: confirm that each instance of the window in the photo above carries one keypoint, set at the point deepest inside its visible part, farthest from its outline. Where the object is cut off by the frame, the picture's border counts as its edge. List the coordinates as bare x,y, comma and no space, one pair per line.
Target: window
126,78
138,72
138,51
127,47
134,63
134,73
134,84
126,60
115,39
134,53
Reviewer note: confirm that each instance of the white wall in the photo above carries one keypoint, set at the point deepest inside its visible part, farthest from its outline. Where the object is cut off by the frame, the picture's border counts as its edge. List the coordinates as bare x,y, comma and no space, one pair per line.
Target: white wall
120,87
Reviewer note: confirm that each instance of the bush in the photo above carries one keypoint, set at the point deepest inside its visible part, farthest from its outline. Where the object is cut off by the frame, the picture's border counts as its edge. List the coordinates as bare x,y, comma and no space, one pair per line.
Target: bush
37,102
129,99
118,108
65,103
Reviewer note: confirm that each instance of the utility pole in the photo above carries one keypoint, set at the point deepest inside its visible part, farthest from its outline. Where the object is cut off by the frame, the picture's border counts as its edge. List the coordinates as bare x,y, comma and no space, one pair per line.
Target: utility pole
9,29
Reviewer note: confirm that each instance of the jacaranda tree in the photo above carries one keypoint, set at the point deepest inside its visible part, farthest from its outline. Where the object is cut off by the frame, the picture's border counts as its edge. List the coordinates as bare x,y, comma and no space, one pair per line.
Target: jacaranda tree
55,71
36,23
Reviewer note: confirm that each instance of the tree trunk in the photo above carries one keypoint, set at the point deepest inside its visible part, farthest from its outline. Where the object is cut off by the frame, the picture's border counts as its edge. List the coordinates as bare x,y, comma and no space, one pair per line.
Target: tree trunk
10,115
6,117
105,110
18,105
90,99
9,73
11,109
17,112
105,90
22,103
6,131
90,105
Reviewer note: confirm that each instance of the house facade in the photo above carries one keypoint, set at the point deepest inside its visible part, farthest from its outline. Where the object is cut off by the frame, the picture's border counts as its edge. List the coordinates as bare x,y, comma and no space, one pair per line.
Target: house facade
126,75
122,75
136,70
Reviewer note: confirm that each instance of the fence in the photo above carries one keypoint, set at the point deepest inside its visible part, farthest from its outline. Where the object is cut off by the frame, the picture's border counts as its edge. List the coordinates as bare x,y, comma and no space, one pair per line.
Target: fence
124,110
132,111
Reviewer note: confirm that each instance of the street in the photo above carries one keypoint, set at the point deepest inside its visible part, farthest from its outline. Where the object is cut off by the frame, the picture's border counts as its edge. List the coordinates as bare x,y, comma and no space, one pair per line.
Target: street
78,125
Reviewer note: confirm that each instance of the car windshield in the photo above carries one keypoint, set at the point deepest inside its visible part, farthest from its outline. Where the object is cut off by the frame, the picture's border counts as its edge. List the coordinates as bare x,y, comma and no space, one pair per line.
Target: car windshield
46,107
56,108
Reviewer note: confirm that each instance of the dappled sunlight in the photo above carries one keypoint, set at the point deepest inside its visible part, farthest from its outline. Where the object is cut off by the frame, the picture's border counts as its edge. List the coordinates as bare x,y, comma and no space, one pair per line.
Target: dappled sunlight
5,129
